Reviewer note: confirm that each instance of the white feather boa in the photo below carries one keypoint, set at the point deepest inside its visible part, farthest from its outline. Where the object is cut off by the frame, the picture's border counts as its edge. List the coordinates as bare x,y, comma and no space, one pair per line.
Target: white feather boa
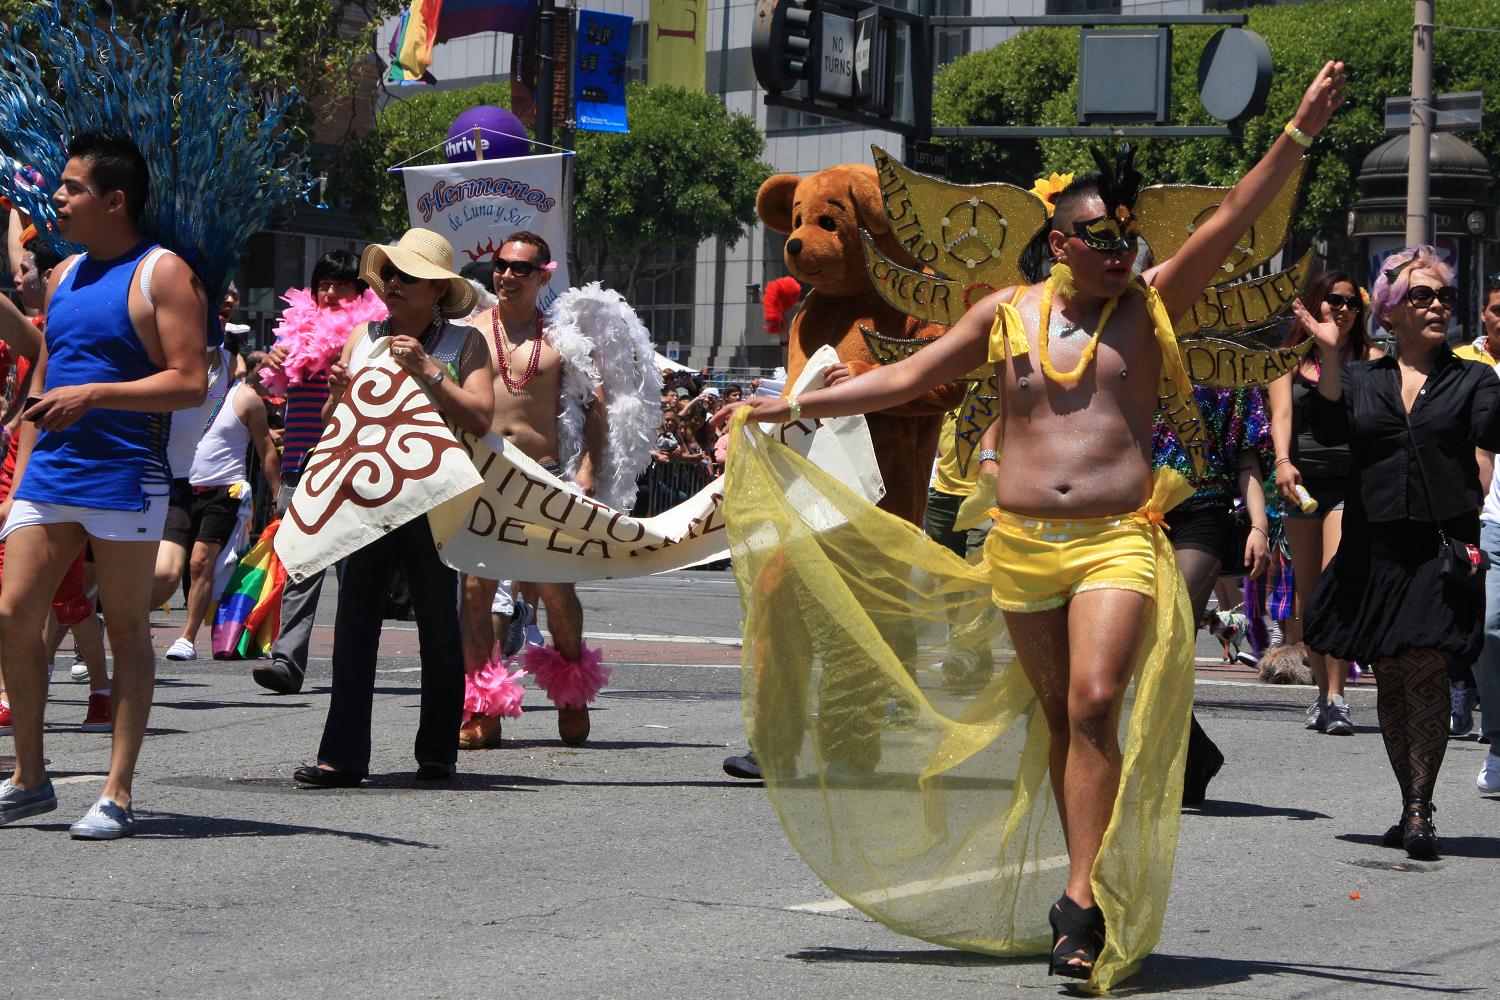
602,342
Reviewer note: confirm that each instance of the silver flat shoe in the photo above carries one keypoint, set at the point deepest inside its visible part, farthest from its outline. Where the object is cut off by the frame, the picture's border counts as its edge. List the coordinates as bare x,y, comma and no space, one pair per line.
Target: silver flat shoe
105,820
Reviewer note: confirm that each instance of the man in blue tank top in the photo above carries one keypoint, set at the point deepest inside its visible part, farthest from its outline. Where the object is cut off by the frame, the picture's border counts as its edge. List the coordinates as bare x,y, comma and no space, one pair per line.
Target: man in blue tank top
125,346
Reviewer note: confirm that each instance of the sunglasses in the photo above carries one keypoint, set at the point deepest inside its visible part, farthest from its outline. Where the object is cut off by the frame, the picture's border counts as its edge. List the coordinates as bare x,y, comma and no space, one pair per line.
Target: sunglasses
1422,295
390,273
520,268
1342,301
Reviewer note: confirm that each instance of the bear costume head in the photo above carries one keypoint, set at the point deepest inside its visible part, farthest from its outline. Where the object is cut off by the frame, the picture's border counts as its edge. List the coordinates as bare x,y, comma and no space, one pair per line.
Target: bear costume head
822,215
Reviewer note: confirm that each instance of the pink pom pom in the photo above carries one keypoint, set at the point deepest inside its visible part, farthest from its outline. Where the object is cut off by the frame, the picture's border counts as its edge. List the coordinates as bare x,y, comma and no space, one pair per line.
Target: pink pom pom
493,690
570,683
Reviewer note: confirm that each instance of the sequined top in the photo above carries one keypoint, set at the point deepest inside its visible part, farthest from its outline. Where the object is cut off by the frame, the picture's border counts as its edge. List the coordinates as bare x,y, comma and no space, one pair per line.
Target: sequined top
1234,421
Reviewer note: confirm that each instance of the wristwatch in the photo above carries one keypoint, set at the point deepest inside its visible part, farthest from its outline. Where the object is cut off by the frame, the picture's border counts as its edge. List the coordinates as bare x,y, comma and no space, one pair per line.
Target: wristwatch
437,377
989,455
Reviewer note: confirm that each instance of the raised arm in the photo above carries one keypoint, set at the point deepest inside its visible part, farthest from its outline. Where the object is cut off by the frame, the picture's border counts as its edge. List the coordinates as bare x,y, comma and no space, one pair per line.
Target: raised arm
954,355
18,332
1182,279
1326,332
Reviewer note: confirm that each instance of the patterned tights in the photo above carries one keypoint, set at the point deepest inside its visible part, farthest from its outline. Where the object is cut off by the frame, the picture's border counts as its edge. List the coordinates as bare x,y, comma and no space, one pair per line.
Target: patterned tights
1412,702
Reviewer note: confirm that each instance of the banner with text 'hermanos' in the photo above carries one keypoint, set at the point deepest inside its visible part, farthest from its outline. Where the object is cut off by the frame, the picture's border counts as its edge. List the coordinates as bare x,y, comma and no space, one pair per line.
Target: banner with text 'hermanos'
476,205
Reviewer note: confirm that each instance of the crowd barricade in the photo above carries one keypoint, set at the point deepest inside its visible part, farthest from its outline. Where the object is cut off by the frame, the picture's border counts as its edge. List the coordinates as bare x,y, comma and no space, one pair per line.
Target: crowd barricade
664,485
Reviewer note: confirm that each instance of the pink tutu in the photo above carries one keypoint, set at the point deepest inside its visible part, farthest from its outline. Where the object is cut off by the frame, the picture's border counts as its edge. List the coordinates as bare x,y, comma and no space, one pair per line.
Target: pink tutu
569,683
493,690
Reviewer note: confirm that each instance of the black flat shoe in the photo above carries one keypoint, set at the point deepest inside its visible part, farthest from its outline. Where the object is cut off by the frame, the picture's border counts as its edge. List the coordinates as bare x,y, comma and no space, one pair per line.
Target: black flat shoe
744,766
1077,939
321,777
1418,834
277,677
436,772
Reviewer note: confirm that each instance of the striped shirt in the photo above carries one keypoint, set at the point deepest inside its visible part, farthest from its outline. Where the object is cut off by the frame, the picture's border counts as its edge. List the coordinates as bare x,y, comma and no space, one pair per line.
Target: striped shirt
304,422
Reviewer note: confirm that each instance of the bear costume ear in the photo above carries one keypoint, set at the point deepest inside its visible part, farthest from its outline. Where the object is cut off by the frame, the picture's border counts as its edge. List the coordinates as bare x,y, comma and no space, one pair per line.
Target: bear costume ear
864,189
773,202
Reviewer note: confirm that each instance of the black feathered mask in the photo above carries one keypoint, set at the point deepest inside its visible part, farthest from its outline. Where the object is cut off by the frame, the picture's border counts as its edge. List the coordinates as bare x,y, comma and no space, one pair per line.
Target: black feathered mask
1119,184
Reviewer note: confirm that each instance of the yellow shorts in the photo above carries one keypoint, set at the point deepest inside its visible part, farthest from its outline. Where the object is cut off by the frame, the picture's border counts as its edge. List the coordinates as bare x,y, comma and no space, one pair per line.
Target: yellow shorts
1038,565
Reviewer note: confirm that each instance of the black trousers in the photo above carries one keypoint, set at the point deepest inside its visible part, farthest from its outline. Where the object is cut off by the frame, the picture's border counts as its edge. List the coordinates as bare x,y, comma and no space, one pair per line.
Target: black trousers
356,643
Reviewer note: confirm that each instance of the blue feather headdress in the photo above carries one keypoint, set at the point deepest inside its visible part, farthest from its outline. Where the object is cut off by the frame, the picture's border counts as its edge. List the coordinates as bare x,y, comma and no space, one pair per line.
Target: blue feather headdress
221,160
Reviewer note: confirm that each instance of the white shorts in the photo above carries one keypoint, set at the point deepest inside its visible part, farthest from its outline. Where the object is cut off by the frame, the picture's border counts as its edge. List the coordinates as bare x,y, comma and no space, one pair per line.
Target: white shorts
107,525
503,604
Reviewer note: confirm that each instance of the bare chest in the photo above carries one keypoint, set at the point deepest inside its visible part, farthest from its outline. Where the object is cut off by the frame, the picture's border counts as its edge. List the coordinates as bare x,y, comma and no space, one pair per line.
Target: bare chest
1070,368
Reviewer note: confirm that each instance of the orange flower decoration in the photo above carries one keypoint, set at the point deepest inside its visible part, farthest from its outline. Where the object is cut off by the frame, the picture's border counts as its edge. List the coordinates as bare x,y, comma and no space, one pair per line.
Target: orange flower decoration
1048,188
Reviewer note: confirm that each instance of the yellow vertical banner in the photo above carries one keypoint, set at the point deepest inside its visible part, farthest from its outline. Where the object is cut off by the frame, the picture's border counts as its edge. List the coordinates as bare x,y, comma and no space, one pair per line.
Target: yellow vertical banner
676,52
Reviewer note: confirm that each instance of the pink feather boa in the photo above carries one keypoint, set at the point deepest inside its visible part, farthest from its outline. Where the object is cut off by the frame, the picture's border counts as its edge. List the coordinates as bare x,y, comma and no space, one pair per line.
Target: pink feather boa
313,337
493,690
568,682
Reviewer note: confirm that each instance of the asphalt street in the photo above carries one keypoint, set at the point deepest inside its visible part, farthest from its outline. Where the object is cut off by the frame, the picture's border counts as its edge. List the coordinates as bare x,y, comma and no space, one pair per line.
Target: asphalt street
632,867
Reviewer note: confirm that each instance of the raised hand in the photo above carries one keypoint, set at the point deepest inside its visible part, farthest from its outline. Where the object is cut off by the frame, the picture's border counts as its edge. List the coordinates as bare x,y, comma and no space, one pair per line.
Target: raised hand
1323,328
1324,96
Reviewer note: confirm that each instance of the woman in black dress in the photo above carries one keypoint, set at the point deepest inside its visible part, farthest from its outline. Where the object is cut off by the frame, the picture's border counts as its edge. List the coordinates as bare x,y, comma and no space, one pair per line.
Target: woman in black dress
1392,596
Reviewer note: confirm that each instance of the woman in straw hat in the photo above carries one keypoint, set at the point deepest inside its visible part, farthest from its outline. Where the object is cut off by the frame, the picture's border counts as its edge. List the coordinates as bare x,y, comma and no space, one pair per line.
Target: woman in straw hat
415,279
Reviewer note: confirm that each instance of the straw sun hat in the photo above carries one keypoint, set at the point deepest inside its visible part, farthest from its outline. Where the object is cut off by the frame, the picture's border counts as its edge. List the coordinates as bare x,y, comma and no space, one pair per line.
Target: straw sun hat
421,253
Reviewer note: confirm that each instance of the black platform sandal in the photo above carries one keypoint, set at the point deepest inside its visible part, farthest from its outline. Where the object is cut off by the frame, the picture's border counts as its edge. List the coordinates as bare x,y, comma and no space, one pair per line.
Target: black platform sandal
1418,833
1077,939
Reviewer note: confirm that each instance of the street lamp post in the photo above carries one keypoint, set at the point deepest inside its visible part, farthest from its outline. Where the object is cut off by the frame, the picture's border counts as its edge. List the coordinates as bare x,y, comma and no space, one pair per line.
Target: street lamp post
1420,141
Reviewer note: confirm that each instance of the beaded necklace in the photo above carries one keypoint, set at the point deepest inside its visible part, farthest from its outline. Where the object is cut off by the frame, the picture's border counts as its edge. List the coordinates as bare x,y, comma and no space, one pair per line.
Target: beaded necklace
501,349
1044,331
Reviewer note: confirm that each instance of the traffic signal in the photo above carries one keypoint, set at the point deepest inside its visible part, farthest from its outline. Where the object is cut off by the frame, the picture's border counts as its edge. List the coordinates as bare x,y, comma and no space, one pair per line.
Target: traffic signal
781,43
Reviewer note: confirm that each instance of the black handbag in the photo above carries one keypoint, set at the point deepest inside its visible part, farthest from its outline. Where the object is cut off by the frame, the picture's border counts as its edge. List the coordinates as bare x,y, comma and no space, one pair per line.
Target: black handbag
1459,562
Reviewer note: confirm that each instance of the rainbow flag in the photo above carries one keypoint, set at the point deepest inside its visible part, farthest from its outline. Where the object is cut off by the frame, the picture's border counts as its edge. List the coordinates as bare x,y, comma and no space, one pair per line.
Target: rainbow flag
426,22
249,613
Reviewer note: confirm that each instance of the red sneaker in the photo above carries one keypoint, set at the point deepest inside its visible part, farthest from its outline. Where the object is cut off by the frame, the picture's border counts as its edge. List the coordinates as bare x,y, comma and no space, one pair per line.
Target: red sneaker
4,719
100,717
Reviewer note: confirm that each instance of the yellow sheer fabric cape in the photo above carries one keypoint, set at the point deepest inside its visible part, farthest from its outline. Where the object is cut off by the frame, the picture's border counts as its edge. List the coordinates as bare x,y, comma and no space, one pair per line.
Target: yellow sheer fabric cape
903,748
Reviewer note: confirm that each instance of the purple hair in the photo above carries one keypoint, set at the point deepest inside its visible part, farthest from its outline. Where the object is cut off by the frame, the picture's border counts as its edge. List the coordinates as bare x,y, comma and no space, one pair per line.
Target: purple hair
1395,277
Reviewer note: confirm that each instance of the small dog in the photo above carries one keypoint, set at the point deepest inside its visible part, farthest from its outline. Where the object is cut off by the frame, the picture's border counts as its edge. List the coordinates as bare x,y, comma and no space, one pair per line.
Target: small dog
1285,665
1229,627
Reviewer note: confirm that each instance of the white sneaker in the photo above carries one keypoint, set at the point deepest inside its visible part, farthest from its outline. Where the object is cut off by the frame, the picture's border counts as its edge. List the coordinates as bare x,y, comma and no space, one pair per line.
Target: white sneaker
79,671
182,650
1489,776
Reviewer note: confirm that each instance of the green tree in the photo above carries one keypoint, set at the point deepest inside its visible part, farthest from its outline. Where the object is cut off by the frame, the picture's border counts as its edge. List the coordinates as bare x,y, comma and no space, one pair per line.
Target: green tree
688,170
1032,79
403,130
321,47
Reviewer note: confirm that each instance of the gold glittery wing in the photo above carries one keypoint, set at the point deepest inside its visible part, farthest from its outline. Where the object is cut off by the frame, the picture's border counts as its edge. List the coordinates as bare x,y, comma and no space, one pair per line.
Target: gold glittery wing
1245,305
1226,364
971,233
1167,214
975,414
926,296
889,350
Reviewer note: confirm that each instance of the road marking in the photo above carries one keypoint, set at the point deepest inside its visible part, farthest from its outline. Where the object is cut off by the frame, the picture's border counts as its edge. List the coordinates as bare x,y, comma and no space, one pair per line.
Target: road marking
712,640
78,779
397,670
930,885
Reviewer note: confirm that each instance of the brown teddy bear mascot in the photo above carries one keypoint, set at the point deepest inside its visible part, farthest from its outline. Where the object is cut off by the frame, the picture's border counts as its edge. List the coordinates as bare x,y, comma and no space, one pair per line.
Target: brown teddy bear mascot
823,214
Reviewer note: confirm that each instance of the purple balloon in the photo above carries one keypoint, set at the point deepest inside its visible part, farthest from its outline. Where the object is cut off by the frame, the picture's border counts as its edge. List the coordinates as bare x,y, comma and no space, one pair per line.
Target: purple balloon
501,135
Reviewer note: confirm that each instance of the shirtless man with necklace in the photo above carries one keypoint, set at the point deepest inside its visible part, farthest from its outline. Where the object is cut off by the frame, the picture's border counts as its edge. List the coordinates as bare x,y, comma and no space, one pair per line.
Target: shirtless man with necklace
528,390
1078,413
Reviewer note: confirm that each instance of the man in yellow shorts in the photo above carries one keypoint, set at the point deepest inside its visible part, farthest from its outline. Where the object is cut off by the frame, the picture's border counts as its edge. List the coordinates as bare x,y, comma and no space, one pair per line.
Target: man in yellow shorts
1079,361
